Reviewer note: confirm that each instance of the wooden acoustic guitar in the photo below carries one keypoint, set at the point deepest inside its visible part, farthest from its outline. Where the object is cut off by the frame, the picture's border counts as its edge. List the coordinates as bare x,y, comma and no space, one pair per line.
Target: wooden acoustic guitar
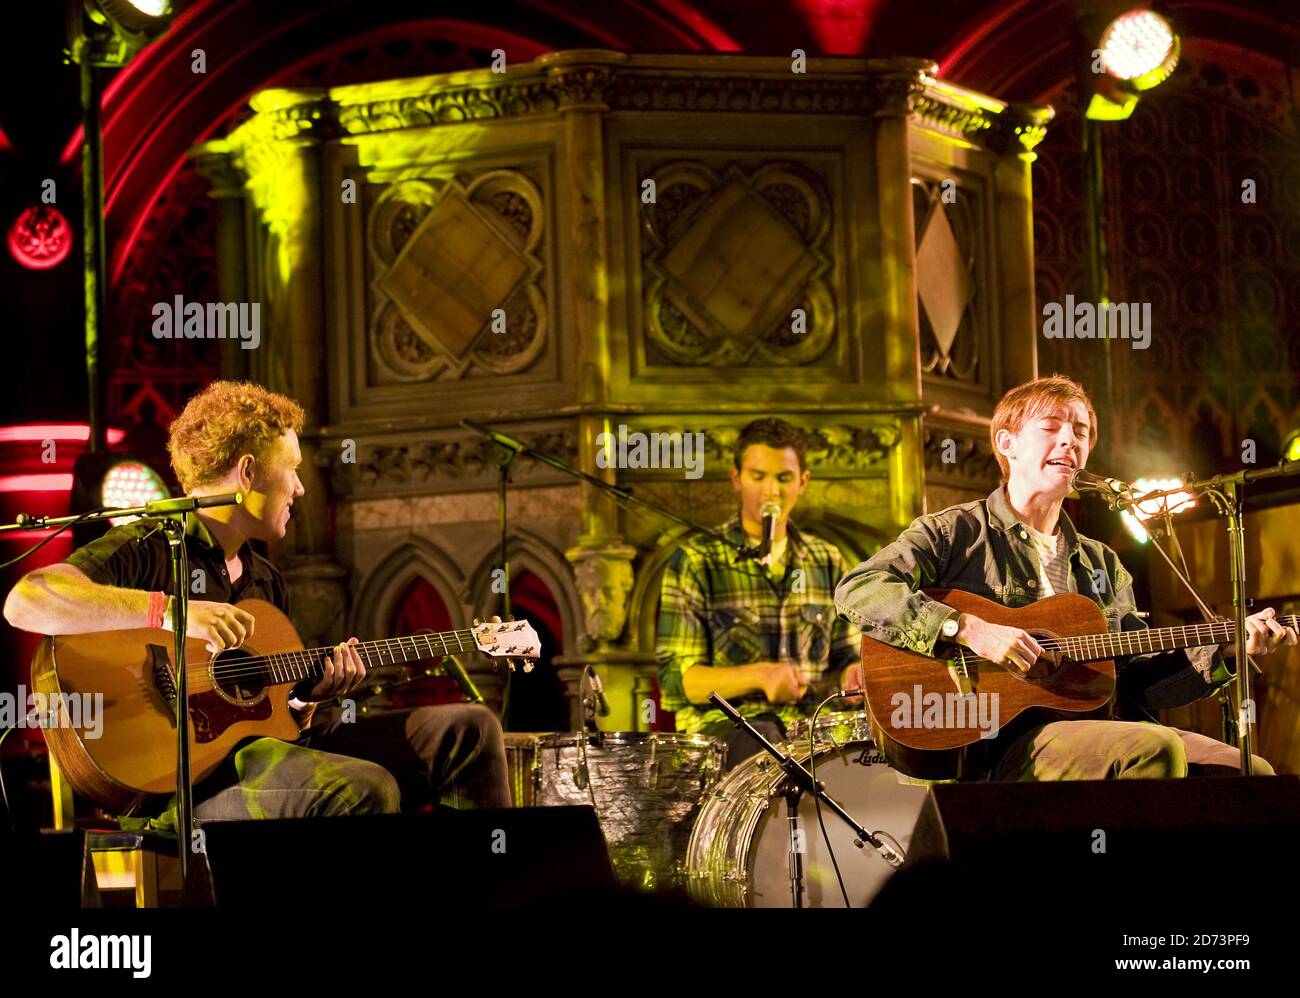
931,716
236,694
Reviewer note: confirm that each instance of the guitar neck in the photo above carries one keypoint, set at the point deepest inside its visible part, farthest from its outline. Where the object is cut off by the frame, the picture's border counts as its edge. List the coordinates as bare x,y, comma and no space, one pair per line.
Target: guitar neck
1091,647
309,663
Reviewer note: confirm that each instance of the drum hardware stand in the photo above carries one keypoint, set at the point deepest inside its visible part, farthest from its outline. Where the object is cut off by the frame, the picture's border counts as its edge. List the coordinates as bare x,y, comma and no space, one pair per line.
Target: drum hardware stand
1226,492
792,794
196,889
798,782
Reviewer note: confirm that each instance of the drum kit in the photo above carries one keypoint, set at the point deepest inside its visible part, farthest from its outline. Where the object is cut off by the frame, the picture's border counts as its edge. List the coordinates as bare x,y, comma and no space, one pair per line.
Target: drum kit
673,819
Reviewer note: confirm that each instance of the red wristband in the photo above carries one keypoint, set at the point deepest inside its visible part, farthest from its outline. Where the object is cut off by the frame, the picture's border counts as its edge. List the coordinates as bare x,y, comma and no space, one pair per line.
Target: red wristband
156,603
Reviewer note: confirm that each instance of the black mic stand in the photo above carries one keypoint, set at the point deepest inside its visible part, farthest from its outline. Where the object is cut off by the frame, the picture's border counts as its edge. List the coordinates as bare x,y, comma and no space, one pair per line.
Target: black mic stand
196,880
620,495
1226,492
799,781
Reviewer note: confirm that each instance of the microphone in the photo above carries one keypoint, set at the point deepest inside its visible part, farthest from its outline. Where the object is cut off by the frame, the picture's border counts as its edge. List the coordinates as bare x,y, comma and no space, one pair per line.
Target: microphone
771,513
1086,481
452,666
598,691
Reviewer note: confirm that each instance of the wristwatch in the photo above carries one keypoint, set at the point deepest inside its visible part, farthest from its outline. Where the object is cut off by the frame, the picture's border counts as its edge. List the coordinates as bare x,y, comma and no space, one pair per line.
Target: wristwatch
950,626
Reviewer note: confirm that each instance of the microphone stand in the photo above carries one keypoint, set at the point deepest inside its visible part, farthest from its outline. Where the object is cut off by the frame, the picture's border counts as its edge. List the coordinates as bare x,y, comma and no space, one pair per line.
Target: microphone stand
798,782
1227,494
195,877
620,495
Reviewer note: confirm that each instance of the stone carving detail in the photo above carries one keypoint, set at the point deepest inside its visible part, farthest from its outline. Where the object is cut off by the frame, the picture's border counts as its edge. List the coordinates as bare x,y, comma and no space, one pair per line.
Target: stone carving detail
728,257
972,459
604,578
427,320
895,86
415,464
838,447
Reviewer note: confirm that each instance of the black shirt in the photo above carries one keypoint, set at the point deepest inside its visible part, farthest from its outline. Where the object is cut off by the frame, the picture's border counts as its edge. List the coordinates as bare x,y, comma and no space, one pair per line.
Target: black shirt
136,555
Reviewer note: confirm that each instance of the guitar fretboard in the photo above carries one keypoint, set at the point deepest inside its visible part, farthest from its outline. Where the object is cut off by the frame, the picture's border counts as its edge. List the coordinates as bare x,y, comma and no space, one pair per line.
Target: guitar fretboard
1090,647
309,663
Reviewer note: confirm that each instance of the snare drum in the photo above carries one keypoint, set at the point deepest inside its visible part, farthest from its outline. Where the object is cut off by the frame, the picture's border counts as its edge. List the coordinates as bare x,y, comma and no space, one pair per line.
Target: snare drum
646,788
738,855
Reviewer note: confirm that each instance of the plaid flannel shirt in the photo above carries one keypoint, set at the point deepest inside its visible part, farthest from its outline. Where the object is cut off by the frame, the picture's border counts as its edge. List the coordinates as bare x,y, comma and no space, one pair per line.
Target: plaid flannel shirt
718,611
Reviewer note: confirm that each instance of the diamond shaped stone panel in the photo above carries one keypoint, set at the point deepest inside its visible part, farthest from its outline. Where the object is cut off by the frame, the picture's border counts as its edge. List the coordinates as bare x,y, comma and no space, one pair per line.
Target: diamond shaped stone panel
453,271
739,265
942,282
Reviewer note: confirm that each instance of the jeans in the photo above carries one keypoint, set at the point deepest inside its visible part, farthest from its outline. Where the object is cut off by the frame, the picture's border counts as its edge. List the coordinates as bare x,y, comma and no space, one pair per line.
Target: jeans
1124,750
377,764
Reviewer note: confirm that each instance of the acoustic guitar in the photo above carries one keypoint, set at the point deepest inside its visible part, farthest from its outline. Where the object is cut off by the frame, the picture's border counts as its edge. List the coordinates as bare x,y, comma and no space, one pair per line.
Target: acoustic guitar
236,694
937,717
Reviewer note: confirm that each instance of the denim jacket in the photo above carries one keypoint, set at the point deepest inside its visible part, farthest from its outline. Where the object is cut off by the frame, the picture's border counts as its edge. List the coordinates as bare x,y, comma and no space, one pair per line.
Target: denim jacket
983,548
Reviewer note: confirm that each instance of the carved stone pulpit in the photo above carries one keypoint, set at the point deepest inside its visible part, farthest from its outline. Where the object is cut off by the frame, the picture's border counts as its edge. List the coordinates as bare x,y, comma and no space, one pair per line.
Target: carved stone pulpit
599,243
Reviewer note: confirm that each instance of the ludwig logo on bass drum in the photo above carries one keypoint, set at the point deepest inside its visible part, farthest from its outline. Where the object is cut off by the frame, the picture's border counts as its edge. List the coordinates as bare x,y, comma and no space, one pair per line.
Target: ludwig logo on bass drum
871,756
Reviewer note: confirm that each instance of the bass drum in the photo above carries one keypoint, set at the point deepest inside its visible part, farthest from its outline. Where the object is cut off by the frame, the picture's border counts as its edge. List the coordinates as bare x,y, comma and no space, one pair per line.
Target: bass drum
739,851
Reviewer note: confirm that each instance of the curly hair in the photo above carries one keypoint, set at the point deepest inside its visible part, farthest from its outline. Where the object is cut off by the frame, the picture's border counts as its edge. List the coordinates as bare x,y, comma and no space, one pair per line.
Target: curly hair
774,433
1032,399
223,422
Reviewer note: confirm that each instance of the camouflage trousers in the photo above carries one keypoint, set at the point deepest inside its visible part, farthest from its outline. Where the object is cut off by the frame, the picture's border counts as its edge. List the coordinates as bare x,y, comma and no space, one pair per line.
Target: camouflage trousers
377,764
1124,750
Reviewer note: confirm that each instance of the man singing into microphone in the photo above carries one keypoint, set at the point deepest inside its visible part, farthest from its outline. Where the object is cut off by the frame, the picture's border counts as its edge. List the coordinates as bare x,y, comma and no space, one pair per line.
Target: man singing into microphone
1017,546
762,633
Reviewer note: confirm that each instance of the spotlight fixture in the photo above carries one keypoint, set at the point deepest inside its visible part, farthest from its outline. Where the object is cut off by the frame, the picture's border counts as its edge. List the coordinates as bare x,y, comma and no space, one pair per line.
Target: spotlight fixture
110,32
1291,446
1134,516
106,478
1135,51
1139,47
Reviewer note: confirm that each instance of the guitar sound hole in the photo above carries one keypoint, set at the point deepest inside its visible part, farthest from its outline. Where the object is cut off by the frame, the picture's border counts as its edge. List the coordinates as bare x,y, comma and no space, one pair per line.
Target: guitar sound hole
240,682
1050,662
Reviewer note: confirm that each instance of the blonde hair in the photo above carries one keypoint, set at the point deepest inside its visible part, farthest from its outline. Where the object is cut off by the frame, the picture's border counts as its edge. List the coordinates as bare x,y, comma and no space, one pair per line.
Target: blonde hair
223,422
1032,399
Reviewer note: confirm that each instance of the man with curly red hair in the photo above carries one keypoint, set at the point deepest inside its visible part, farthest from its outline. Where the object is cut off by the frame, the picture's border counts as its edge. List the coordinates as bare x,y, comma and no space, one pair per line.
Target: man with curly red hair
240,437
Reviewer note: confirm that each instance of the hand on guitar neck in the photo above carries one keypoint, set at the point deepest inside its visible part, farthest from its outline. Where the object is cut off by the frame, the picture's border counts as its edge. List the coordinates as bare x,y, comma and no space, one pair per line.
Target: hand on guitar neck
1012,646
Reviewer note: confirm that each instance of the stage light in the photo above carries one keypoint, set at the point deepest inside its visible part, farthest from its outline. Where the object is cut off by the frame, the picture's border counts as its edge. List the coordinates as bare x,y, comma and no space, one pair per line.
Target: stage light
1137,50
102,478
1141,48
40,238
131,483
1291,446
133,24
1135,516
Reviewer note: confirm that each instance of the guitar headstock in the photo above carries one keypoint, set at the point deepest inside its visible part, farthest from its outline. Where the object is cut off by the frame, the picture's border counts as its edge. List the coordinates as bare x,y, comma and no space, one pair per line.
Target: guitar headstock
512,640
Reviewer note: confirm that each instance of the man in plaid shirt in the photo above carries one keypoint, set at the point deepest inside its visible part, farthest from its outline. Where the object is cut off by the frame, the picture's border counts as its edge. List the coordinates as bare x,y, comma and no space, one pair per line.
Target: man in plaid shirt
763,635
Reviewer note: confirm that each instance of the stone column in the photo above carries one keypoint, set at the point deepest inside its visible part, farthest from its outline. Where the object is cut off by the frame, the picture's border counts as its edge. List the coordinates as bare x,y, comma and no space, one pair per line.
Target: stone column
279,153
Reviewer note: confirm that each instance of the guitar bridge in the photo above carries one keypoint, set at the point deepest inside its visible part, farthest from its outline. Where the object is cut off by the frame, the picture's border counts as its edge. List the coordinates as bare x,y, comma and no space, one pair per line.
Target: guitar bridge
961,675
164,680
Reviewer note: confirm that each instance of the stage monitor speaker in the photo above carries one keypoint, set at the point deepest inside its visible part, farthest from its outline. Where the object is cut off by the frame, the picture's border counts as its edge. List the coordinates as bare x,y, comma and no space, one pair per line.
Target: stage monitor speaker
1152,843
49,870
498,857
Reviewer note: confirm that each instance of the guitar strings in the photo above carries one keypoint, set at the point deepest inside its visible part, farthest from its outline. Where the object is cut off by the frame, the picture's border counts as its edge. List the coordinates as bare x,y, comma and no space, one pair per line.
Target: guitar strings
252,666
1081,641
256,665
